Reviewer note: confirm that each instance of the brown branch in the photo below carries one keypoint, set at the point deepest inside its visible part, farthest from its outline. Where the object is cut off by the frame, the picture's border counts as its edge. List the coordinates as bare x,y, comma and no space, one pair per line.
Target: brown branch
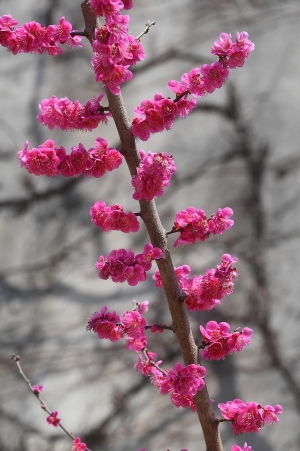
149,214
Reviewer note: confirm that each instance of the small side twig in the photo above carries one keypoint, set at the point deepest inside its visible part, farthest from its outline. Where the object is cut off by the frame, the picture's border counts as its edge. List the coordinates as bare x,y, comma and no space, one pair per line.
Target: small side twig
147,29
44,406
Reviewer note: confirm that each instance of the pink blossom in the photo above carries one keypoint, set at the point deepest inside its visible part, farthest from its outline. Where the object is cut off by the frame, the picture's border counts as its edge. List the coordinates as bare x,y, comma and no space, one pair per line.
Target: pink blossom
192,225
249,416
233,54
113,218
37,389
220,341
75,163
149,254
238,448
214,76
214,331
106,325
60,32
137,343
49,160
154,116
77,445
68,115
156,329
103,159
133,324
181,272
153,175
33,37
52,419
142,307
183,383
205,292
40,161
145,366
220,222
123,266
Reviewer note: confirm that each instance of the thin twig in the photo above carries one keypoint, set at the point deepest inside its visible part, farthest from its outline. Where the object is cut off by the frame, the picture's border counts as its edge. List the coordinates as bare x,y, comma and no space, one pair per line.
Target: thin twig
147,29
44,406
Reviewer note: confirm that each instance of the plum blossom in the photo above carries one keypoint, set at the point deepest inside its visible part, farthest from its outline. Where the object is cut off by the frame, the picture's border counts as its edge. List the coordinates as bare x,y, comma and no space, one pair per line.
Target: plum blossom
249,416
50,160
233,54
67,115
106,325
113,218
238,448
204,292
183,383
153,175
121,265
114,49
35,38
53,419
37,389
221,342
200,81
78,445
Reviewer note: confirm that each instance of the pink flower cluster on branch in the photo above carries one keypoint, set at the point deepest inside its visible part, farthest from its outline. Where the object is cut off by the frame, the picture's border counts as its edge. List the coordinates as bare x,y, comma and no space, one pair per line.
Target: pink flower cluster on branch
68,115
153,175
182,383
35,38
193,225
50,160
114,49
110,326
155,115
121,265
113,218
221,342
204,292
78,445
249,416
53,419
238,448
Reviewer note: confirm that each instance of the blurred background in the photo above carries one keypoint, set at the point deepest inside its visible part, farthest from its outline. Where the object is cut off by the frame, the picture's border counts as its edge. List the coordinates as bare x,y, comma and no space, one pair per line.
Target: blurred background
239,148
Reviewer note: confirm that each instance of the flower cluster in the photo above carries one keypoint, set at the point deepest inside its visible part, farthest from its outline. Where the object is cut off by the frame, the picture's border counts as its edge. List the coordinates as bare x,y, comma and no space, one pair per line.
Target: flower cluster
53,419
238,448
204,292
50,160
110,326
121,265
37,389
153,175
181,382
155,115
221,341
113,218
78,445
114,49
35,38
249,416
233,54
68,115
194,226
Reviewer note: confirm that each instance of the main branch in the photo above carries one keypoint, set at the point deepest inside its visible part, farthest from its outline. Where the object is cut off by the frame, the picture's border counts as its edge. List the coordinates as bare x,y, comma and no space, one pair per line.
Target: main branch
180,322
